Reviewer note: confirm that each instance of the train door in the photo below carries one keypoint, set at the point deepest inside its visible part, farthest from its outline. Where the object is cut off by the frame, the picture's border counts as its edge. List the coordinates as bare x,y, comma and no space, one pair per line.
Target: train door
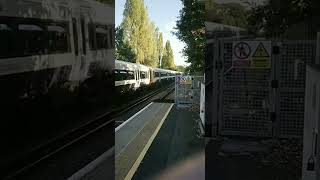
136,79
150,75
139,79
75,75
84,19
79,35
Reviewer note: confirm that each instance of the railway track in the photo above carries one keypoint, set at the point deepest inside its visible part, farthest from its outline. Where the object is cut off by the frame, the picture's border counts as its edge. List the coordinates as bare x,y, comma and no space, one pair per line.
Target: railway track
146,98
60,143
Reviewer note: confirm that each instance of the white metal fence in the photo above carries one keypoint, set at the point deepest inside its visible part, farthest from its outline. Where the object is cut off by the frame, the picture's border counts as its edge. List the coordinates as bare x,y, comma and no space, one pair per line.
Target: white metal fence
259,102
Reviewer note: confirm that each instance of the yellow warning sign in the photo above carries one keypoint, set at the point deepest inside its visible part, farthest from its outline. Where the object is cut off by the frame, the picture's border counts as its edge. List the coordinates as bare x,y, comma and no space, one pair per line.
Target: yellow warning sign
261,63
261,51
251,54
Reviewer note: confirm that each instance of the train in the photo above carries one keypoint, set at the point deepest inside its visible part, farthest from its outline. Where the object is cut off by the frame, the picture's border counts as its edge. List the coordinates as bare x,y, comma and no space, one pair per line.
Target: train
59,47
50,45
131,76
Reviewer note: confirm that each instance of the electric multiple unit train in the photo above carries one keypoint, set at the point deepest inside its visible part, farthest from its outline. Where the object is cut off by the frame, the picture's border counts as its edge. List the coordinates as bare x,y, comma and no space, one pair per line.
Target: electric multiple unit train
131,76
62,44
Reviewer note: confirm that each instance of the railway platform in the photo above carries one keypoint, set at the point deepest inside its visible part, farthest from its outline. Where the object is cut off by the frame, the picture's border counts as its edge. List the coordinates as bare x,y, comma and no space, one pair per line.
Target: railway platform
152,141
156,138
178,142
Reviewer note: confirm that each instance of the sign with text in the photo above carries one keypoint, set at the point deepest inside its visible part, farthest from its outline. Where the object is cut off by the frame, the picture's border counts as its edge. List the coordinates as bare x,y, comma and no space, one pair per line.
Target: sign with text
184,80
251,54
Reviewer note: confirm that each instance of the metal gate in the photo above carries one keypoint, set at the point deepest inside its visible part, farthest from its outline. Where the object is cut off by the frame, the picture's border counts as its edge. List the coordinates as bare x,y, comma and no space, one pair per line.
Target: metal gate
261,102
244,98
188,89
291,74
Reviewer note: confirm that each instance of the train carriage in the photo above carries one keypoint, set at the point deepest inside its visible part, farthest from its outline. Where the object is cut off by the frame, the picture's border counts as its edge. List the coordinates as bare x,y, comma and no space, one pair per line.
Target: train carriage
140,75
53,43
143,75
126,76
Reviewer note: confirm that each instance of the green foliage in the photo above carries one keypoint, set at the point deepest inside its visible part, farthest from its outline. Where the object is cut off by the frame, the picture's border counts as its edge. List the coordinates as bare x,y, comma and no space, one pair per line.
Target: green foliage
273,17
138,39
123,50
180,68
233,14
151,46
168,58
191,30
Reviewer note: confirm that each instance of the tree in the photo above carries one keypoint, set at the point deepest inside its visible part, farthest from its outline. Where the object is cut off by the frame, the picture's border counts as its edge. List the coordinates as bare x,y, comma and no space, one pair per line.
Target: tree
168,58
123,51
273,18
137,36
130,32
233,14
180,68
160,48
151,45
191,30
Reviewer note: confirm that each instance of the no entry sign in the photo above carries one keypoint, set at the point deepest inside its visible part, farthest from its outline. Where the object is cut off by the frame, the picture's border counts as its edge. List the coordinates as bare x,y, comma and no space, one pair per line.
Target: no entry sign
251,54
242,50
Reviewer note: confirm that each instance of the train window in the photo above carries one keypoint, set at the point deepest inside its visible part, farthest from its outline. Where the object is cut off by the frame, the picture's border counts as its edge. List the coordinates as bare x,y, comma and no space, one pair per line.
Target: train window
32,39
121,75
101,37
130,75
29,27
92,36
156,74
143,75
6,36
58,38
117,75
83,34
75,36
28,36
5,27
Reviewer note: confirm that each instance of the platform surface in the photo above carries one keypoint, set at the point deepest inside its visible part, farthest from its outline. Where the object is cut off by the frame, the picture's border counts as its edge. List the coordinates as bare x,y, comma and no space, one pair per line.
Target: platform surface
132,137
178,142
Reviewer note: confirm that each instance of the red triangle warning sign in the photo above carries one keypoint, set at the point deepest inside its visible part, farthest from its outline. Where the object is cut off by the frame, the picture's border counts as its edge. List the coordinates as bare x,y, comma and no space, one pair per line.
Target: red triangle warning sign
261,51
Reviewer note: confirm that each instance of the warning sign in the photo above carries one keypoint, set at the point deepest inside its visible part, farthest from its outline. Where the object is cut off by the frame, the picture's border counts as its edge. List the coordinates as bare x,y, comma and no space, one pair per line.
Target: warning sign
261,51
242,50
251,54
184,80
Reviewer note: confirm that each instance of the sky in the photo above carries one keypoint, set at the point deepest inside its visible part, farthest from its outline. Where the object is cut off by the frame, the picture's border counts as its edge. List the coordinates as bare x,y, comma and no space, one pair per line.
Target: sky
164,13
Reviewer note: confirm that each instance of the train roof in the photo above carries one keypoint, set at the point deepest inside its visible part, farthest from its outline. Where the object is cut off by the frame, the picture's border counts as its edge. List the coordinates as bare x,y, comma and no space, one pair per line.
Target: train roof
165,70
56,9
145,67
99,10
125,65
